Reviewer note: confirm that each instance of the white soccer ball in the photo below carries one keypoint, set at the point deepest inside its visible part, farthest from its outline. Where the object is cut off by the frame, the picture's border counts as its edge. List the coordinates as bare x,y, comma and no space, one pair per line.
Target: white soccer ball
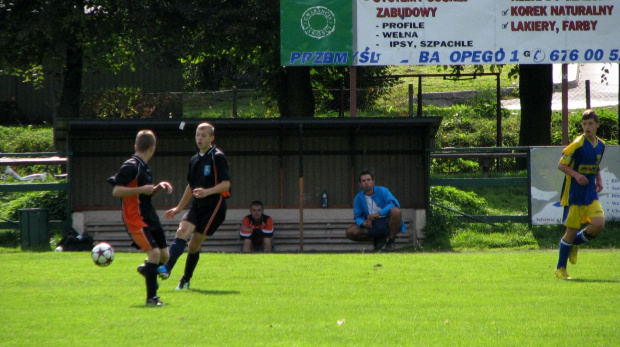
103,254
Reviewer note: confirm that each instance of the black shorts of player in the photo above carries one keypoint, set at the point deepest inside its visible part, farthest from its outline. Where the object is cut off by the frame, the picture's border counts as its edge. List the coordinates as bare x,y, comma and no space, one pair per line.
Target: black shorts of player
257,234
379,227
206,221
155,237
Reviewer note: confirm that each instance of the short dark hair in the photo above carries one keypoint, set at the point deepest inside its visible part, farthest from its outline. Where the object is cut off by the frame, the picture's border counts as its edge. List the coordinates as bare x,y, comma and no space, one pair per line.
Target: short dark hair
145,140
590,114
256,203
365,172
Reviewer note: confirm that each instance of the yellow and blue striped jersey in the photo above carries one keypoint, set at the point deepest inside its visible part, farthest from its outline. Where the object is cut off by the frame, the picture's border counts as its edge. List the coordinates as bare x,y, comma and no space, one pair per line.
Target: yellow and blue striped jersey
584,157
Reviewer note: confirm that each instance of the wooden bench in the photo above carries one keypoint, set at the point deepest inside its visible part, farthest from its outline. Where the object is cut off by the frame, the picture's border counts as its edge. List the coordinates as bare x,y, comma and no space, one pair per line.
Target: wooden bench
326,236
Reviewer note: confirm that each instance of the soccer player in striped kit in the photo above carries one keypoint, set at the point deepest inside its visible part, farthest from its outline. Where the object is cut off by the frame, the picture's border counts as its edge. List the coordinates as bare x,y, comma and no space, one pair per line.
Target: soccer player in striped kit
134,184
580,163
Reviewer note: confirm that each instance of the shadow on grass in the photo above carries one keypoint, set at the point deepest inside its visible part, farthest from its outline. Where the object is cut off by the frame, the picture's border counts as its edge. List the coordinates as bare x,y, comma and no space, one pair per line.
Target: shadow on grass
584,280
215,292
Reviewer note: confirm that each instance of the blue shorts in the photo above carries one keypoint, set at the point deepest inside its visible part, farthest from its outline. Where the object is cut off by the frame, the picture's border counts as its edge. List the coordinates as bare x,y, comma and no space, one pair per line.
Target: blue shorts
379,227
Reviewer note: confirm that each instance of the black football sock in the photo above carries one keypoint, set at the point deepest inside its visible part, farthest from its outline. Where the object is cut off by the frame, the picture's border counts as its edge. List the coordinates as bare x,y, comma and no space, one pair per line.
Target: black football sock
176,249
190,265
150,276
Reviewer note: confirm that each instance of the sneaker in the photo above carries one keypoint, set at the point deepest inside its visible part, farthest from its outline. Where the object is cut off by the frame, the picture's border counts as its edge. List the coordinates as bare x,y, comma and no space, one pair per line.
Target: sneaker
572,256
163,272
183,284
154,301
389,246
562,274
379,243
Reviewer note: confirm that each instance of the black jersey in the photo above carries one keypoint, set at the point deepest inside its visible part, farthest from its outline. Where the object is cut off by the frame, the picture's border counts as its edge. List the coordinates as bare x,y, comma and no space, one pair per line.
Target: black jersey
138,211
206,171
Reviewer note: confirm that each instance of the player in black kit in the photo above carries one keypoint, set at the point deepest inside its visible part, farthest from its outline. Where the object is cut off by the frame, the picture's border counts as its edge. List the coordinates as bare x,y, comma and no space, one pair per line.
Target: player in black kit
209,185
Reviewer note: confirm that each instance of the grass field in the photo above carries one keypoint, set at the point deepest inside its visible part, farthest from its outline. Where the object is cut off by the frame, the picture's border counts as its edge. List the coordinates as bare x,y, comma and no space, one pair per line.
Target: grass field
400,299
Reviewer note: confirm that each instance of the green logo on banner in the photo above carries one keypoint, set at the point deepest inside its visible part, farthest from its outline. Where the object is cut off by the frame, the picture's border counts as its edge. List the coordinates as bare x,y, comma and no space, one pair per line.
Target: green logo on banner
318,22
316,32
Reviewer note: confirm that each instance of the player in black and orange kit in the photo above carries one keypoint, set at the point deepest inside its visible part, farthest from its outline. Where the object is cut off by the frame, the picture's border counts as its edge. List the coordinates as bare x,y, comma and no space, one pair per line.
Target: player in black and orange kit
209,185
134,184
257,229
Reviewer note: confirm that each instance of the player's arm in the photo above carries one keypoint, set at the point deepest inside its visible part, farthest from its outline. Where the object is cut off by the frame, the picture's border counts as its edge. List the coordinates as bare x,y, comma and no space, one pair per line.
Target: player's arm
160,187
245,225
219,188
599,182
185,199
581,179
123,191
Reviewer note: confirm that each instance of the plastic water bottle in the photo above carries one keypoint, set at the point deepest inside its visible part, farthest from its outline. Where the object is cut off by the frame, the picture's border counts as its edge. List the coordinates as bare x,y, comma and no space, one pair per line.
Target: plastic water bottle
324,200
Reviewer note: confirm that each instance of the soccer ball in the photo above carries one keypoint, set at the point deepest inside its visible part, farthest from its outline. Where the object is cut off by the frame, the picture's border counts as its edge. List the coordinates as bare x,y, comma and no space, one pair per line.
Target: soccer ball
103,254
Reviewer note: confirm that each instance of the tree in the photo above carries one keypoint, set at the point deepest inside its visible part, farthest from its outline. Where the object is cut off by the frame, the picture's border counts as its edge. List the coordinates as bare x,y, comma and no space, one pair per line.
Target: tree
79,35
535,94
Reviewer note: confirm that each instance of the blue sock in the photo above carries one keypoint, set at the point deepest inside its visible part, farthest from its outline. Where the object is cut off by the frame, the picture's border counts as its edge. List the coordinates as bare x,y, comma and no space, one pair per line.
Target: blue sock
190,264
176,249
564,252
580,237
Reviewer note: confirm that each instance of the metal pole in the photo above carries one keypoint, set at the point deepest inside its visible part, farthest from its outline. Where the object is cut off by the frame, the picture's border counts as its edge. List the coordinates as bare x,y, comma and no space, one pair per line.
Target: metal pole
301,189
588,94
564,104
410,100
353,91
420,96
498,111
341,111
234,102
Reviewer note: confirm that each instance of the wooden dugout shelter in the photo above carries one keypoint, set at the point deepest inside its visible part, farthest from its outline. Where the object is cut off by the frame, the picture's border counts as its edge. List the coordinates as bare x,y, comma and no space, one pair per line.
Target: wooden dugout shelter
285,163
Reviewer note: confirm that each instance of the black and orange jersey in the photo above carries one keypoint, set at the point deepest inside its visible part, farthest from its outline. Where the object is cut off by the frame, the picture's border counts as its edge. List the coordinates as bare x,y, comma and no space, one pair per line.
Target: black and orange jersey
206,171
265,225
138,211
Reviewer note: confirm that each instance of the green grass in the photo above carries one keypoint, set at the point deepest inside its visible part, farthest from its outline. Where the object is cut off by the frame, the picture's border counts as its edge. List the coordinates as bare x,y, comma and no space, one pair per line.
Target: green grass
439,84
424,299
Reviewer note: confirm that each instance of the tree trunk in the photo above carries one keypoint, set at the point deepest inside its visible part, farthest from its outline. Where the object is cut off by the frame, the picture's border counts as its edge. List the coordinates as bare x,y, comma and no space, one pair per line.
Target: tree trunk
71,94
535,93
295,97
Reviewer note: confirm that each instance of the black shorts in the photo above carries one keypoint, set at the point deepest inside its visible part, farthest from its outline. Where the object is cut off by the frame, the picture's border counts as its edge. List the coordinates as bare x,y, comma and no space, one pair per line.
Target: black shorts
155,238
257,234
207,221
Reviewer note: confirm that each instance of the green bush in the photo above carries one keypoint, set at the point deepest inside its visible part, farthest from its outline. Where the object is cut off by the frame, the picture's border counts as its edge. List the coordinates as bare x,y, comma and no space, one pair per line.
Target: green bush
55,202
465,202
20,139
441,224
126,102
9,238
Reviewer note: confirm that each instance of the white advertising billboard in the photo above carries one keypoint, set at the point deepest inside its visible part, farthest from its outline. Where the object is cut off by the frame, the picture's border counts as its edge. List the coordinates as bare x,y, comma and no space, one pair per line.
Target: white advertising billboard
547,181
462,32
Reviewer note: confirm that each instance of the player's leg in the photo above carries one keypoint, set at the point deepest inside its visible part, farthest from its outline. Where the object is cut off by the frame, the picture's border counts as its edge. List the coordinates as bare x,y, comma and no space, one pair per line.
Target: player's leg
207,227
177,247
355,233
572,221
267,245
394,224
149,271
193,255
595,217
247,245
